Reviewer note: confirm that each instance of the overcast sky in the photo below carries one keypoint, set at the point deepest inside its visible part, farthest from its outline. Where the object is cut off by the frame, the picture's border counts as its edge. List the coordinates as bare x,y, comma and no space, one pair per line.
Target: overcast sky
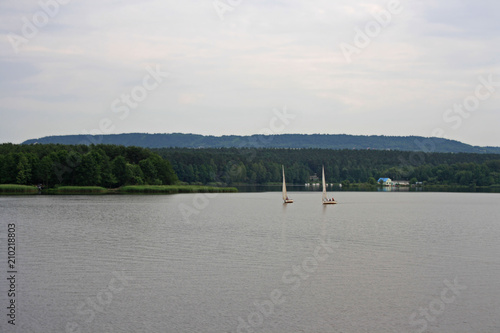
425,67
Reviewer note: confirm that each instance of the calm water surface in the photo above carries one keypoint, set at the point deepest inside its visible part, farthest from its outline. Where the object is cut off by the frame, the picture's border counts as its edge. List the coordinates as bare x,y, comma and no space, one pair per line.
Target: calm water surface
376,262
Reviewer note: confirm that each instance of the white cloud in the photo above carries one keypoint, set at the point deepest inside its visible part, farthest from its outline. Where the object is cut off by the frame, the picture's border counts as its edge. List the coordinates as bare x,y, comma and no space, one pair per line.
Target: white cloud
263,55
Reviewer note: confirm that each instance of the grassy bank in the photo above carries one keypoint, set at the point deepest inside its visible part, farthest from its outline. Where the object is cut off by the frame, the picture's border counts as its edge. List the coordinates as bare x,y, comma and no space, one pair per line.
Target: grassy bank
17,189
78,190
173,189
132,189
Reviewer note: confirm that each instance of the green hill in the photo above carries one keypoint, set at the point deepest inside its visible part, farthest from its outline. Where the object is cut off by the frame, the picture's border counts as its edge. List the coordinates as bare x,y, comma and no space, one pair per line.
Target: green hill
324,141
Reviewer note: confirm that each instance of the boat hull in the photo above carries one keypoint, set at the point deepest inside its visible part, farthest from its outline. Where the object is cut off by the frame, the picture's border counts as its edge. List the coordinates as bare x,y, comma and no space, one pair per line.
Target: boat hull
288,201
329,202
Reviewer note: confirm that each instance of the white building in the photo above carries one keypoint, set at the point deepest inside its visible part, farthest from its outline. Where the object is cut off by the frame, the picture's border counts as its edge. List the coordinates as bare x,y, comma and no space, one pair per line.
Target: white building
385,181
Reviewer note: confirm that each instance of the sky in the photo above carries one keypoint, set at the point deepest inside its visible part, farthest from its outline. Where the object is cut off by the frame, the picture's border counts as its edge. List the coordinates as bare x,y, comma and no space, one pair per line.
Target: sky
221,67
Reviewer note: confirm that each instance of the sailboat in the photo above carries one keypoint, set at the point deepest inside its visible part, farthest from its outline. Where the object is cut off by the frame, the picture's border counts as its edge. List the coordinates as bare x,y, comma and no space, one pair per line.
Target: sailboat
325,199
285,196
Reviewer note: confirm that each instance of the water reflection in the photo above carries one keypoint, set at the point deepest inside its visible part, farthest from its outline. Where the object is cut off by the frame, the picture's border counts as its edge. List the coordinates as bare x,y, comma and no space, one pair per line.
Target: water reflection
283,226
395,189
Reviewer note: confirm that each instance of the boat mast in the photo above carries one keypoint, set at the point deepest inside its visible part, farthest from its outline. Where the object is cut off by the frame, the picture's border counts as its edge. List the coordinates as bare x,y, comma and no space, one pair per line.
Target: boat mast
324,198
284,184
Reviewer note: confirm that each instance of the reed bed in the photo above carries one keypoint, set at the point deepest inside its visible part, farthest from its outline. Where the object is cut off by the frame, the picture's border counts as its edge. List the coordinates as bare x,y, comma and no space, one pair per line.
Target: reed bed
17,189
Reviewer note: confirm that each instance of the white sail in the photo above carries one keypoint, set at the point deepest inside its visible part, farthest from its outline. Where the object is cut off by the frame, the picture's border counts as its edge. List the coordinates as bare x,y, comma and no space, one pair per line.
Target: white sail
286,199
284,185
324,186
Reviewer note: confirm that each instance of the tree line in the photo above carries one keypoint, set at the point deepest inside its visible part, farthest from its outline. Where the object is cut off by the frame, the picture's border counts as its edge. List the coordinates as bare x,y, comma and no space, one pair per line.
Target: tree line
260,166
82,165
113,166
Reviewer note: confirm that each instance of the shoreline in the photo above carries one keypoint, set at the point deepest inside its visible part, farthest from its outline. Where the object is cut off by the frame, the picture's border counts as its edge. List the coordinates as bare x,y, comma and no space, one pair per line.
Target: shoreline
12,189
9,189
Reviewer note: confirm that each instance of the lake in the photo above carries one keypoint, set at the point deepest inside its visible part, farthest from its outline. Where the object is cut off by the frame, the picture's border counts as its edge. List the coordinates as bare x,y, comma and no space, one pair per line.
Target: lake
244,262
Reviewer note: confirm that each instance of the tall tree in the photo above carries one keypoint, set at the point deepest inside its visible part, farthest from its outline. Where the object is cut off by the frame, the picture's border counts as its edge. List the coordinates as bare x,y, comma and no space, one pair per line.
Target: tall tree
120,170
23,170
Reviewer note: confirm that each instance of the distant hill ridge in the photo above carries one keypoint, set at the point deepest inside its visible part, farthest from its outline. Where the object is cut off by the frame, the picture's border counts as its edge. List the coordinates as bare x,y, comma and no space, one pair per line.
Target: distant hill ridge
325,141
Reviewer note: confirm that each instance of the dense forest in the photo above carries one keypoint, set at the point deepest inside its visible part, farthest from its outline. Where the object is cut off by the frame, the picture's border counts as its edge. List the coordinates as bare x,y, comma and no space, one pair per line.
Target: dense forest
100,165
323,141
113,166
231,165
